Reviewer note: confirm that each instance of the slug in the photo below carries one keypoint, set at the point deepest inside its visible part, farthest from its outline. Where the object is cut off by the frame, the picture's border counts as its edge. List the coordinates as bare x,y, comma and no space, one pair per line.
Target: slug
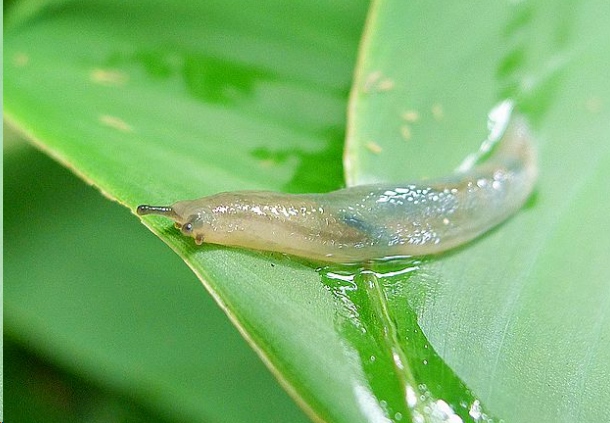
369,222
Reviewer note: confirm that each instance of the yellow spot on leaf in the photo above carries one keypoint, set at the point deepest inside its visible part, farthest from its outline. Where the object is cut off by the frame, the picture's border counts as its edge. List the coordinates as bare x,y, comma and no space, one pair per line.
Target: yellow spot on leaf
373,147
371,81
116,123
267,163
405,131
411,116
437,111
108,77
386,84
21,59
594,105
376,82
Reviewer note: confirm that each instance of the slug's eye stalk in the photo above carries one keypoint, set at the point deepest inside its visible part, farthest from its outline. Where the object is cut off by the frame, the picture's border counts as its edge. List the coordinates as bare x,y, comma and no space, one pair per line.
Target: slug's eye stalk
165,211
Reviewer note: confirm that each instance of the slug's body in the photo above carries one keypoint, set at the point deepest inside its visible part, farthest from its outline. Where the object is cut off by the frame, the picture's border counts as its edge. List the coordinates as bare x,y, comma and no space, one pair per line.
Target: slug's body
370,221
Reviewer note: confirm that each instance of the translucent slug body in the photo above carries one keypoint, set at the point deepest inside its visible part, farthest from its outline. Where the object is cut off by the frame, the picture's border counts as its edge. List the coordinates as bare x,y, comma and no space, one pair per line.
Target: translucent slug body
369,221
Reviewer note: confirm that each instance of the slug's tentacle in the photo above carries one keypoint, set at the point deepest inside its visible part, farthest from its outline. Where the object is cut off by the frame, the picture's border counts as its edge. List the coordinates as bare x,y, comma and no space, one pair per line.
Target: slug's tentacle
370,221
166,211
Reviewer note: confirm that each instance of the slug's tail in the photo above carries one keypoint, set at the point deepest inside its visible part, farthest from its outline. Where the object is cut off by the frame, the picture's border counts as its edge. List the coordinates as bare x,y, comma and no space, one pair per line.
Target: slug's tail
166,211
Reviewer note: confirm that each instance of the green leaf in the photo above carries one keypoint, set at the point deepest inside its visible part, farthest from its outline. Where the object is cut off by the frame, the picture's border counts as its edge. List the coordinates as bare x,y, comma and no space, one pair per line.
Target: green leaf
155,103
520,315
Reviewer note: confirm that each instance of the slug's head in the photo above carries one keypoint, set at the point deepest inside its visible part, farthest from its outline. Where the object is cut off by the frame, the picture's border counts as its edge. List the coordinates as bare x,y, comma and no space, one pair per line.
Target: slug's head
189,223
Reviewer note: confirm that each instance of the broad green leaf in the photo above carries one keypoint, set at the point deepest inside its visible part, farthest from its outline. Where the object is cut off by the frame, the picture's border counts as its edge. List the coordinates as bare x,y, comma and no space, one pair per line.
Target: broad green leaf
520,315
